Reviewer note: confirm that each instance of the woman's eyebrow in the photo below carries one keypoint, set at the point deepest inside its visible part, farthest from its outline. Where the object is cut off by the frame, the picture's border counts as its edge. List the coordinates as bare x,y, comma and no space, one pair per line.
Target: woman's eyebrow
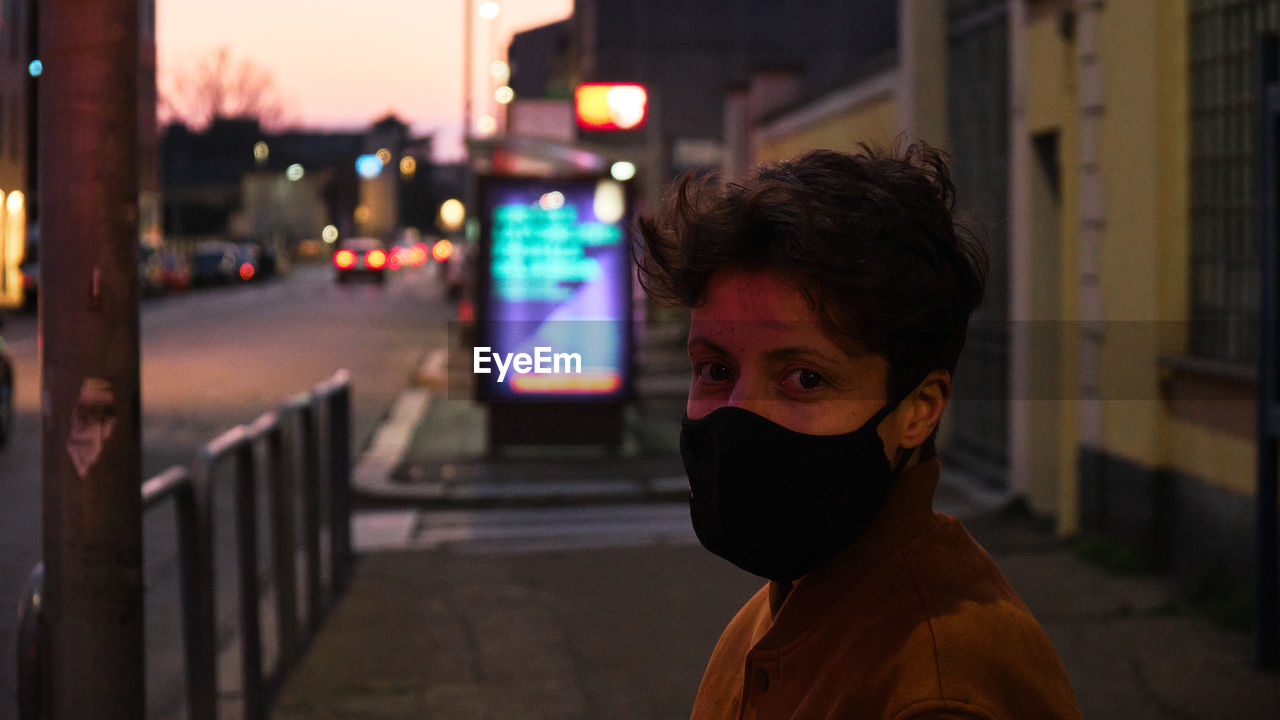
799,352
698,342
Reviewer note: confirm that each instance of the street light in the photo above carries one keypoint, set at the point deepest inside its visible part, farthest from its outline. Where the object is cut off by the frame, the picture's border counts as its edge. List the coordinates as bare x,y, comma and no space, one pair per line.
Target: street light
500,71
452,214
488,10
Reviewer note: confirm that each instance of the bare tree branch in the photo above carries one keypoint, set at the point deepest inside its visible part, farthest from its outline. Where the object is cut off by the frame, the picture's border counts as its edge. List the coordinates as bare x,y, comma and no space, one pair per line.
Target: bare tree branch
219,86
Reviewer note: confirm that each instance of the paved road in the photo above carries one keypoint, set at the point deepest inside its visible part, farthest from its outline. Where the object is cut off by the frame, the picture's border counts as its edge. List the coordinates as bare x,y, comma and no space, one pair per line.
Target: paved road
211,360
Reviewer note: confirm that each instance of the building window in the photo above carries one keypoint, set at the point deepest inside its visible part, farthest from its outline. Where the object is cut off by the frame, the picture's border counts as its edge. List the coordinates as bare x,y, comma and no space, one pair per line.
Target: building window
1224,234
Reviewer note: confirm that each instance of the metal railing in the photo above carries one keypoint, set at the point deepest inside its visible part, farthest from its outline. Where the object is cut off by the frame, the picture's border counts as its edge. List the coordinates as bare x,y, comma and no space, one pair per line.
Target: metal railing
287,442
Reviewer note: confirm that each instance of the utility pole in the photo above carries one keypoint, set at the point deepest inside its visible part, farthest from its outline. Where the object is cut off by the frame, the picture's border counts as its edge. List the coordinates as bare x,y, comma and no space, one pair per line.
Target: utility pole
90,407
467,12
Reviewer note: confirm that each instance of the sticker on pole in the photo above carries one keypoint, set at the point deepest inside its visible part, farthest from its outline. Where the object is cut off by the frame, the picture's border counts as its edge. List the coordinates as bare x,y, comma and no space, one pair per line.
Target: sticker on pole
92,423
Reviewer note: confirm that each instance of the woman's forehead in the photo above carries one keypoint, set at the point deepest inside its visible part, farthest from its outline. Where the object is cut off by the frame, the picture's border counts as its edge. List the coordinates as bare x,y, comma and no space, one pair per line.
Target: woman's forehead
763,309
754,295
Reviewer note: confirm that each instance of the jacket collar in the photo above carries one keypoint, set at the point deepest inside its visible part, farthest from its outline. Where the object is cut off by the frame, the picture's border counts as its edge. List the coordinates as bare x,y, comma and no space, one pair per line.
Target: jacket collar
906,515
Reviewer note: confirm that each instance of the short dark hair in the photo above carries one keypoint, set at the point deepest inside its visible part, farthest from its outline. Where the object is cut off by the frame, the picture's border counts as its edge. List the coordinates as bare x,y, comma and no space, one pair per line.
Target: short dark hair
873,238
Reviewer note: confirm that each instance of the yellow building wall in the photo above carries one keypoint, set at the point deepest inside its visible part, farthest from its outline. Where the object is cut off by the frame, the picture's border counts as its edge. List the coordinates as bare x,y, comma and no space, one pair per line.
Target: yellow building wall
1051,106
874,122
1145,251
1143,123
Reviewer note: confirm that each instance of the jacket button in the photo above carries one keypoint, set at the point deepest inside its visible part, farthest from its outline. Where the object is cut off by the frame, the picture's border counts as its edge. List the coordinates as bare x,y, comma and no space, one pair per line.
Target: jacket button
762,679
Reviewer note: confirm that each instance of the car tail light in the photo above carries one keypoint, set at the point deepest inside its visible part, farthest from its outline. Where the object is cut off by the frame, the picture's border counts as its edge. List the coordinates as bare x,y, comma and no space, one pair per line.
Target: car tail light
395,258
418,255
246,271
376,259
344,259
442,250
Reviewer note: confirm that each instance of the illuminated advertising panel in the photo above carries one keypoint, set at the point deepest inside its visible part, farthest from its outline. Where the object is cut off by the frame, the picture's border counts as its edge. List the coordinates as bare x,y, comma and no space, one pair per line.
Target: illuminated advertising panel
555,273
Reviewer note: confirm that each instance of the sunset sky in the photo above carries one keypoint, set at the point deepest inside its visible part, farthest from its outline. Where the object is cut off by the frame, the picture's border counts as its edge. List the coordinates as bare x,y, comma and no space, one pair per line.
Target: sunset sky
344,63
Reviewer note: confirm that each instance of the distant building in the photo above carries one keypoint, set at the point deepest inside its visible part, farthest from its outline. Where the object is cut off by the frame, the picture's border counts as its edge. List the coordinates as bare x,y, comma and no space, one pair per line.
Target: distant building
543,77
687,53
236,180
541,62
18,47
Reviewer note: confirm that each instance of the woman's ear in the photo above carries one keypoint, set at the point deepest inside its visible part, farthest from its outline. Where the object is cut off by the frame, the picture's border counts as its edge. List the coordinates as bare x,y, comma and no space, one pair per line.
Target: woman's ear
922,410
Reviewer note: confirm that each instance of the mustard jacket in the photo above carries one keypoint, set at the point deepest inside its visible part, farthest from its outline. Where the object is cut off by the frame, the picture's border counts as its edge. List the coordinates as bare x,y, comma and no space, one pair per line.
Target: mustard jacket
913,620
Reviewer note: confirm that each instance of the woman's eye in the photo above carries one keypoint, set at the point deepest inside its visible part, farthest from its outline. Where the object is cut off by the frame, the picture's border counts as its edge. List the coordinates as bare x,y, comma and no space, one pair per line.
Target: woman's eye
805,379
712,372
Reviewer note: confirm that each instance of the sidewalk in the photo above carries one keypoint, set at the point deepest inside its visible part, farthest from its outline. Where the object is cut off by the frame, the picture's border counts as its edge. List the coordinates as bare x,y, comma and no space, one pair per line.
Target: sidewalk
625,631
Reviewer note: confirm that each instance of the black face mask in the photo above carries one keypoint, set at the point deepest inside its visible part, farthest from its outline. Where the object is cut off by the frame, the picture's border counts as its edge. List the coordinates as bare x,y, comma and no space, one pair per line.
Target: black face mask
779,503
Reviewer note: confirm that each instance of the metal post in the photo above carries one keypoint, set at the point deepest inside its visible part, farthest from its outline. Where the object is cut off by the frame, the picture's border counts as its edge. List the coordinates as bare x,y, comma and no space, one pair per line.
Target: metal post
247,549
340,485
309,448
33,680
281,494
1266,596
199,658
202,613
90,440
467,12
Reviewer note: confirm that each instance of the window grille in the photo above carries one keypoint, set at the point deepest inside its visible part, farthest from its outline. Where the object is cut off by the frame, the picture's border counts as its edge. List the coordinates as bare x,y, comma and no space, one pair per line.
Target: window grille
1224,127
978,127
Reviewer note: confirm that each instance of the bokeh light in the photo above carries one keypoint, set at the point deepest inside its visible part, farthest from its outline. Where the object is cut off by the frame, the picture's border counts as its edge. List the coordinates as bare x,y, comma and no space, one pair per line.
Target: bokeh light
261,152
486,125
408,166
553,200
500,71
442,250
504,94
452,213
294,172
622,170
368,166
329,234
609,203
489,10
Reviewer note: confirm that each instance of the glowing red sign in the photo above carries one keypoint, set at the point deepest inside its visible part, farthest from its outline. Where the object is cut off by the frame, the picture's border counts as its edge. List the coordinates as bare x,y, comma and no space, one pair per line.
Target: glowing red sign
610,106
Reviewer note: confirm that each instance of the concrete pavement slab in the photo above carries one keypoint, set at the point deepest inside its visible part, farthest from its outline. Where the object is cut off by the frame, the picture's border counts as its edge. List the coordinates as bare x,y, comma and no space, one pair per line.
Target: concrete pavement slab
625,633
600,633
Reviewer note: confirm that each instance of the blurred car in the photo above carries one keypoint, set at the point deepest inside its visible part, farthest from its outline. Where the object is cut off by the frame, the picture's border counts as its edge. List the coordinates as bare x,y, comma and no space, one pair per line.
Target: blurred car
271,262
214,263
150,271
175,272
6,396
412,254
248,262
360,257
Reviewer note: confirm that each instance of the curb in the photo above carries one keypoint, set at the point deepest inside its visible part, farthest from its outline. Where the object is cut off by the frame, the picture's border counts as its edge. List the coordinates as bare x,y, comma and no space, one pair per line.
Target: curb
374,476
